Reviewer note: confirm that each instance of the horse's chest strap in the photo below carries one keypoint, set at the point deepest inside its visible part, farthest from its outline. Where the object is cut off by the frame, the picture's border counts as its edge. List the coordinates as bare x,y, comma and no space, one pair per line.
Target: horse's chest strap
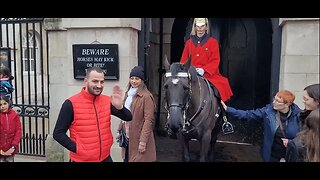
204,102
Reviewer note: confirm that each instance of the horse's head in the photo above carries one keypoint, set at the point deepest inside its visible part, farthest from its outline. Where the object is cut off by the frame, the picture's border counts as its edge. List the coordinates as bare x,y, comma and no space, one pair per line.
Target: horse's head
177,89
192,108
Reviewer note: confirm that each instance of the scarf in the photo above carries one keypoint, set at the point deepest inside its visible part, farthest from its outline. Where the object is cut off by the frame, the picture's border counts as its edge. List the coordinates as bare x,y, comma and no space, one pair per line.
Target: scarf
132,91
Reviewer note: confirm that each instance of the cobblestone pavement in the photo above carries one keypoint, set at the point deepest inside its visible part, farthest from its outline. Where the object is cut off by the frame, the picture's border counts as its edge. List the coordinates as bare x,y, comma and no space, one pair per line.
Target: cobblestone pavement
169,150
23,158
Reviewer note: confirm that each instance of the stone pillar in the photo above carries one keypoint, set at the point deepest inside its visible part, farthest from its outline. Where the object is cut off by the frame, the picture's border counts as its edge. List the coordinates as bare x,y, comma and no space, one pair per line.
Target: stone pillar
299,55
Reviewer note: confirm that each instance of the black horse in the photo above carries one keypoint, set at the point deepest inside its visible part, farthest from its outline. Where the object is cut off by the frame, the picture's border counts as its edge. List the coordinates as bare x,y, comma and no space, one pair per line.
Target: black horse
192,107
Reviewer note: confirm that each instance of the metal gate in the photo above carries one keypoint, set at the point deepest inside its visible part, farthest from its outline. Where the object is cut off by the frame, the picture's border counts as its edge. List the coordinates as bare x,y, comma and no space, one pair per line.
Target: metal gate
24,49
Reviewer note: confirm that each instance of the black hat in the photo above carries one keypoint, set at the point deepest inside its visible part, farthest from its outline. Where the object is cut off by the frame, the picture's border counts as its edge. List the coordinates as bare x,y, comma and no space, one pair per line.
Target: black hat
137,71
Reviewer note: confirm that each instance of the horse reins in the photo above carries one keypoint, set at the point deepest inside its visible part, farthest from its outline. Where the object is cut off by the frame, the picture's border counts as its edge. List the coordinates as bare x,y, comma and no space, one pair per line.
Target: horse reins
185,108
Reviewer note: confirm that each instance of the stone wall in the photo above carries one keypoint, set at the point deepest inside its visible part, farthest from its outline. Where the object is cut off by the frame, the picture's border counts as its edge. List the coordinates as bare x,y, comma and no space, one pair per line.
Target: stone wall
299,55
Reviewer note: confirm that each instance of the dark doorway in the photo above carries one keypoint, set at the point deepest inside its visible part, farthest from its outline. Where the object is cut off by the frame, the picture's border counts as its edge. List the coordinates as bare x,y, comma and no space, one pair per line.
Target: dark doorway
178,38
245,59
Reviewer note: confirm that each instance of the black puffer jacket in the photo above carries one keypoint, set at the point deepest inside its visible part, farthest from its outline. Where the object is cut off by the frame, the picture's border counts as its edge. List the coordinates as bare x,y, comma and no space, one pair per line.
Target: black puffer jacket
296,151
303,116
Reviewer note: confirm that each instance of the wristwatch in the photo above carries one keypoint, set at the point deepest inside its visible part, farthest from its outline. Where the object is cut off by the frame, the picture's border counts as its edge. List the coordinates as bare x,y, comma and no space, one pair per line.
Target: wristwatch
13,147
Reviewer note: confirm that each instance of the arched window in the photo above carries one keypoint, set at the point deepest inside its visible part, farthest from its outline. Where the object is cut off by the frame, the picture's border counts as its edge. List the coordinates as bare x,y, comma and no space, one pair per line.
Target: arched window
30,50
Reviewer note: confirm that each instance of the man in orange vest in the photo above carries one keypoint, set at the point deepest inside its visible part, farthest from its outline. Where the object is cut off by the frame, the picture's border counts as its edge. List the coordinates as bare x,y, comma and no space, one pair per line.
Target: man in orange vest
87,115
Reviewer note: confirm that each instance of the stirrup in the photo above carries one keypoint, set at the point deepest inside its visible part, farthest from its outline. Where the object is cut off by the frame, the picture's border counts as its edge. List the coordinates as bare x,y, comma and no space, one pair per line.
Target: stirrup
227,127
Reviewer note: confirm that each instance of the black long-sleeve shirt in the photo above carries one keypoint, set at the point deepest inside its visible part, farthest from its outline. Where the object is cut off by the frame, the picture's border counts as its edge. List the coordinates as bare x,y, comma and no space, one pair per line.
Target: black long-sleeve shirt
65,119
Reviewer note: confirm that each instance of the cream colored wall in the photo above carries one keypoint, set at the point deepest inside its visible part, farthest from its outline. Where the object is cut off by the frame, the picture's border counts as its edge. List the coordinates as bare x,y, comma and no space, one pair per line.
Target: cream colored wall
65,32
299,55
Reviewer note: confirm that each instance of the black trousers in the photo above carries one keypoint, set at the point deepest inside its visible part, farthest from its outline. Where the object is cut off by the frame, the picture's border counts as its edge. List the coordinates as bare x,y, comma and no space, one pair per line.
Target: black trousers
126,156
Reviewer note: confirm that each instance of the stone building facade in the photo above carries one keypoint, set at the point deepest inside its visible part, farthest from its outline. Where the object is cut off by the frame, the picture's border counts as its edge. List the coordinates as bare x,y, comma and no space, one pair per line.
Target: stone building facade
145,41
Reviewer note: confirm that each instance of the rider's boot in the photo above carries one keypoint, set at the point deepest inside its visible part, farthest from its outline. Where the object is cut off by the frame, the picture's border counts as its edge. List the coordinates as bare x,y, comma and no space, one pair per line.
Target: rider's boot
222,114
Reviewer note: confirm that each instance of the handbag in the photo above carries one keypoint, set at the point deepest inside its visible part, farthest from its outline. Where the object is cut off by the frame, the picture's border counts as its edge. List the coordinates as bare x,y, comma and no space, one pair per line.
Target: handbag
122,139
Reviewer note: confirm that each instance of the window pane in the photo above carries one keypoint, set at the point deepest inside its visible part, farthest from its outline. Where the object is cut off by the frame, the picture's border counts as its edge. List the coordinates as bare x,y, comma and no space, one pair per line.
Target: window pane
31,54
26,65
25,51
32,65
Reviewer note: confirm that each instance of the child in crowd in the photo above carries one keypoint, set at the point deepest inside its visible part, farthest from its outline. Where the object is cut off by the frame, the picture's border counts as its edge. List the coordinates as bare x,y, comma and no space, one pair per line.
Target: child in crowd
6,87
10,130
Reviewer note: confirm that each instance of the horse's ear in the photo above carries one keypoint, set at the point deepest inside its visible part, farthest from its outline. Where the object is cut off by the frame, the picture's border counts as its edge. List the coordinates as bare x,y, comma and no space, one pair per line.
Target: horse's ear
166,64
188,63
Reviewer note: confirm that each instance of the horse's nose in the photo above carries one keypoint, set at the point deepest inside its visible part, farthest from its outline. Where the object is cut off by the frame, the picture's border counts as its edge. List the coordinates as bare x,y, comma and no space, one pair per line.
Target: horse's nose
171,129
170,132
175,130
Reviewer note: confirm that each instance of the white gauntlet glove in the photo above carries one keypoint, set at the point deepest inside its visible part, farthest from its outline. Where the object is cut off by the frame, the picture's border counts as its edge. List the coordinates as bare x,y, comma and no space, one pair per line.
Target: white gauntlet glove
200,71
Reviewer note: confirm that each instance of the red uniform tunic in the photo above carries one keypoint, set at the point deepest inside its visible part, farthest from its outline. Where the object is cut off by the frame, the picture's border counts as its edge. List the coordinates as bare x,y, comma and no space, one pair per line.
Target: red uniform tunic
206,55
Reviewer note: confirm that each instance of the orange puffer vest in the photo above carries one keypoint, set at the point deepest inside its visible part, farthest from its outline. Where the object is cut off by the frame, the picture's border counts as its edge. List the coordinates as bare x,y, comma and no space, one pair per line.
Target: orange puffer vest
90,129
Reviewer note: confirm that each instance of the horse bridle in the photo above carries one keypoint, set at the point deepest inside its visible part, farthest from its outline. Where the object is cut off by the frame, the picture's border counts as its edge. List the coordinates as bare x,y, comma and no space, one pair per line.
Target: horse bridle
185,107
175,80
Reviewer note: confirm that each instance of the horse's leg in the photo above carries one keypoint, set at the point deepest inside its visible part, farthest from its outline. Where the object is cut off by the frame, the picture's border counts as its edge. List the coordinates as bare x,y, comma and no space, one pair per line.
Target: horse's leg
185,147
214,136
204,146
186,153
